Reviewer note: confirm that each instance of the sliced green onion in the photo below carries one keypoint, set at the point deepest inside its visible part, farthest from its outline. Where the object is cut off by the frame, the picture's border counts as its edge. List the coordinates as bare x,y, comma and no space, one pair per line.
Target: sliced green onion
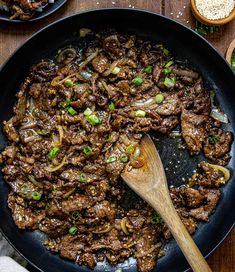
167,71
65,103
233,62
87,150
111,106
116,70
213,139
201,31
148,69
68,83
165,51
73,230
169,63
140,113
108,137
93,119
71,111
156,219
87,112
75,215
159,98
124,158
169,82
53,153
111,159
130,149
82,177
137,81
36,196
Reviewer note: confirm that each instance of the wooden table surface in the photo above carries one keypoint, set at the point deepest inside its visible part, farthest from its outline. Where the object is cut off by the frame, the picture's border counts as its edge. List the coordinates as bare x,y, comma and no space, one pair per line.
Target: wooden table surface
11,36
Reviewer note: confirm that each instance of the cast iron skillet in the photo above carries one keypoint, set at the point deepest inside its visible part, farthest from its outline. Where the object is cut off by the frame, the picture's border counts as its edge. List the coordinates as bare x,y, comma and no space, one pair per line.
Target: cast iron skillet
185,44
47,10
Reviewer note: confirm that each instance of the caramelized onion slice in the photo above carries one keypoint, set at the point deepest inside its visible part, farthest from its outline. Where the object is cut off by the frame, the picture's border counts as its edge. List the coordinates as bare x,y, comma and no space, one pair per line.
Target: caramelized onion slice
222,170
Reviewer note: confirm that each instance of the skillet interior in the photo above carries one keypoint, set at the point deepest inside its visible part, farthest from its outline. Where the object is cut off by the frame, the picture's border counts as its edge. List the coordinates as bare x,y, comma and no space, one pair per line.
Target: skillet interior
184,44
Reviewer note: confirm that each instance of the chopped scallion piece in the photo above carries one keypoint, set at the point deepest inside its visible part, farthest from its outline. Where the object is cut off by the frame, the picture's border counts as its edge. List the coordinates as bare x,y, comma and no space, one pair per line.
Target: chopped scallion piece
159,98
169,82
116,70
130,149
167,71
75,215
36,196
87,150
65,103
124,158
111,106
87,112
82,177
53,153
73,230
111,159
213,139
156,219
140,113
233,62
148,69
169,63
68,83
71,111
93,119
165,51
137,81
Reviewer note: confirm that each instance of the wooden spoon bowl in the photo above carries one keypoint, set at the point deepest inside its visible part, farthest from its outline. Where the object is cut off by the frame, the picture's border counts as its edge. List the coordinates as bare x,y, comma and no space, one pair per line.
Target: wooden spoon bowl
150,183
207,21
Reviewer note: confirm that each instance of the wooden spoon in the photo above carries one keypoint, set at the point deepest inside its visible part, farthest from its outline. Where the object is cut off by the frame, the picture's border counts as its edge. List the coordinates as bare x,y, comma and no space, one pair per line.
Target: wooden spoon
150,183
230,51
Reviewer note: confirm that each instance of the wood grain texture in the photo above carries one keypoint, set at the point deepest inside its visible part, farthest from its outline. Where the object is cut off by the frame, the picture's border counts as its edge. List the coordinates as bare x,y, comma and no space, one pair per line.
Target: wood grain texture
155,191
11,36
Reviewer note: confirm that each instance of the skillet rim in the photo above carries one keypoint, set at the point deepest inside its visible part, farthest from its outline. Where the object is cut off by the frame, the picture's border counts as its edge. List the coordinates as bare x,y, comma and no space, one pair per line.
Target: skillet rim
137,10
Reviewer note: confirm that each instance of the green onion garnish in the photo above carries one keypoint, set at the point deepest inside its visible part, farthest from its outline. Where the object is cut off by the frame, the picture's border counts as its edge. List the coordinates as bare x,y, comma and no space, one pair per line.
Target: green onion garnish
82,177
87,112
213,139
73,230
165,51
167,71
137,81
233,62
53,153
116,70
93,119
140,113
148,69
65,103
130,149
159,98
71,111
75,215
87,150
68,83
169,82
111,106
156,219
36,196
124,158
169,63
111,159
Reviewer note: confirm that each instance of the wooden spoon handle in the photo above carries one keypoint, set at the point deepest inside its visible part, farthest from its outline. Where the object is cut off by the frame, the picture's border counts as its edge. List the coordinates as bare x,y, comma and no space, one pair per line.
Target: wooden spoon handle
230,51
181,235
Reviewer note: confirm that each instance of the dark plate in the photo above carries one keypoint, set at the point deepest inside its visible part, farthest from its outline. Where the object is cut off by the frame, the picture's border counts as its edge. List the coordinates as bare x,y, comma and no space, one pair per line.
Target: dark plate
185,44
48,10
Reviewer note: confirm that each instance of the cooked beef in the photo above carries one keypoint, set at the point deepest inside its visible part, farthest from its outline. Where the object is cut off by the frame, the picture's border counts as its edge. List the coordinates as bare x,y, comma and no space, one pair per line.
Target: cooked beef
78,122
193,130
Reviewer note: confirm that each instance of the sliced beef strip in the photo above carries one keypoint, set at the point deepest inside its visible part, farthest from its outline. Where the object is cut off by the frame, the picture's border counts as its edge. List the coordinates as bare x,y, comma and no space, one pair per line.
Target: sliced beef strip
193,130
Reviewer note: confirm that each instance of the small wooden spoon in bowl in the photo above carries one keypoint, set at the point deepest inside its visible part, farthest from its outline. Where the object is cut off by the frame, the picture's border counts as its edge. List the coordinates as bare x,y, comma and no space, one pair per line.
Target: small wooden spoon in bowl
150,183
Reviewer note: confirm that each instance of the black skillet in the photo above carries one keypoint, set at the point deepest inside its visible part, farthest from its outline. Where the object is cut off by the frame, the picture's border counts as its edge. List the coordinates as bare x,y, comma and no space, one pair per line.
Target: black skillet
186,45
47,10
